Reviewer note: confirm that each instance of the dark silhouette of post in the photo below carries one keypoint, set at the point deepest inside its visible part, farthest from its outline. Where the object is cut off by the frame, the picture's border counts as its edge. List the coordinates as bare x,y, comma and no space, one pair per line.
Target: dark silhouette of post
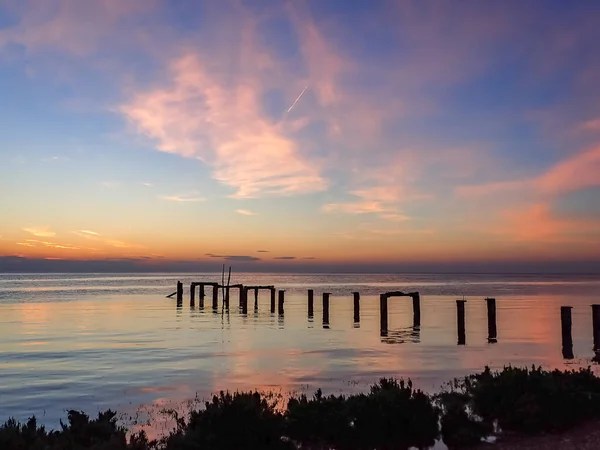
280,302
326,307
202,295
311,303
460,320
596,326
193,295
567,338
356,306
491,312
255,298
244,299
383,313
226,300
215,297
272,300
179,293
416,298
244,294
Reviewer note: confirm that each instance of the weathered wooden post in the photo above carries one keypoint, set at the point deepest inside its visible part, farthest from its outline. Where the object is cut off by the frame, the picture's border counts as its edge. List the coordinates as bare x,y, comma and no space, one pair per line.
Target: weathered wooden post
356,306
272,300
193,295
179,293
226,299
596,326
416,298
215,297
255,298
311,304
567,338
202,295
460,318
280,302
326,307
244,296
383,313
491,312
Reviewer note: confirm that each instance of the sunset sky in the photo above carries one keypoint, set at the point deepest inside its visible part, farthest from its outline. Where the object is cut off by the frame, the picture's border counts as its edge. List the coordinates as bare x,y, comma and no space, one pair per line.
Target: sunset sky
300,133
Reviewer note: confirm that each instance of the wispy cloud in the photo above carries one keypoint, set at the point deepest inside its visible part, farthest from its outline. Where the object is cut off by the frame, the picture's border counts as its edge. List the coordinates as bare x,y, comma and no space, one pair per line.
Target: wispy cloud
262,251
109,184
197,112
285,257
40,231
572,174
245,212
148,184
183,198
35,243
124,245
87,234
56,158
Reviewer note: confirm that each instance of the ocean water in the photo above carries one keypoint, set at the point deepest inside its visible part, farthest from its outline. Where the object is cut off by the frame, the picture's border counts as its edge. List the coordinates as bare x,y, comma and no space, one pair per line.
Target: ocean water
98,341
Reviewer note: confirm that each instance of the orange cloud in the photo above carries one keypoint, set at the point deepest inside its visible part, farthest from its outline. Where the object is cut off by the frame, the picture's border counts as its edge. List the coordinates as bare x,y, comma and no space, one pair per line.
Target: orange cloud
198,116
40,231
245,212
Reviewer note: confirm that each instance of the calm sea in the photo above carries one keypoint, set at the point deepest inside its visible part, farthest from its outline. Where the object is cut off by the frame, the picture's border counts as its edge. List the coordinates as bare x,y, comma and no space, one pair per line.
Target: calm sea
98,341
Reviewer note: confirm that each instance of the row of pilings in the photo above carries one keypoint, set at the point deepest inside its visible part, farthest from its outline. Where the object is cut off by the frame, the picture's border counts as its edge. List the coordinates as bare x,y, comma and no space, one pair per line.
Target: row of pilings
277,302
566,322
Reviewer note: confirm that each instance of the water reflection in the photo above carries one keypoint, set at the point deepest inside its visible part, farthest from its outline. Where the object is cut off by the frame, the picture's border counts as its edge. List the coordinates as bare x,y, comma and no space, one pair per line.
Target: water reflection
113,350
401,335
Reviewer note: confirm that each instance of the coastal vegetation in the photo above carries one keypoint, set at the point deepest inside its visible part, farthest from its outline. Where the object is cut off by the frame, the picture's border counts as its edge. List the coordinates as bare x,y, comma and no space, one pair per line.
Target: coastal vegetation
391,415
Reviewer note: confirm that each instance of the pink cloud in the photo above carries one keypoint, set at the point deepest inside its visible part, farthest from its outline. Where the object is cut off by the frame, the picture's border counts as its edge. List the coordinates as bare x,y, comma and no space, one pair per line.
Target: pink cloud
65,24
197,116
572,174
537,223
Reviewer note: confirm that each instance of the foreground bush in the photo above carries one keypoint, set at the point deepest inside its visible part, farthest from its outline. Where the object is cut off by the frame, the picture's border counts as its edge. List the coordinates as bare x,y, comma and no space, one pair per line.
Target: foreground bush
238,421
392,415
80,433
521,400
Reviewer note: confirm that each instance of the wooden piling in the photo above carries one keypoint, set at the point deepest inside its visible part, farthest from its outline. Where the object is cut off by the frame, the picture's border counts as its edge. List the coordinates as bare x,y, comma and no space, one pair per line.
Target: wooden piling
416,298
280,302
326,307
273,301
311,305
596,326
460,320
226,300
179,293
244,301
567,337
202,295
193,295
255,298
491,312
215,297
356,306
383,313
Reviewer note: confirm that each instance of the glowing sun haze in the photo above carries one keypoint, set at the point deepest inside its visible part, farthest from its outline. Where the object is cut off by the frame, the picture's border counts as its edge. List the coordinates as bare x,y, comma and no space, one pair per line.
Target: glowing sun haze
300,133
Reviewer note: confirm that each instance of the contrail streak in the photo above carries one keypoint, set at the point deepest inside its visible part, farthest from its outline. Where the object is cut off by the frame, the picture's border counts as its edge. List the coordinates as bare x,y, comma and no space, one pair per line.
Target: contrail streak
296,101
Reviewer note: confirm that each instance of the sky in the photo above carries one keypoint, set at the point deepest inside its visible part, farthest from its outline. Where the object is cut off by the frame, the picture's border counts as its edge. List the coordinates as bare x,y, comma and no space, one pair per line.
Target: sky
299,134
